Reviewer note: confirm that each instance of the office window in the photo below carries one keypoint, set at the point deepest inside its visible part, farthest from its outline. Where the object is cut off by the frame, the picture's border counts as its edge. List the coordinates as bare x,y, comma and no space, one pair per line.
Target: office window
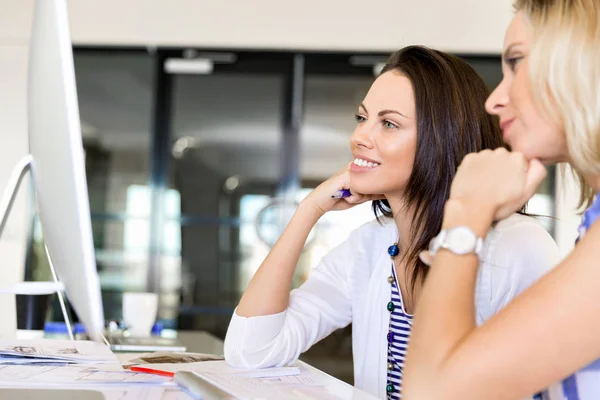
115,94
226,146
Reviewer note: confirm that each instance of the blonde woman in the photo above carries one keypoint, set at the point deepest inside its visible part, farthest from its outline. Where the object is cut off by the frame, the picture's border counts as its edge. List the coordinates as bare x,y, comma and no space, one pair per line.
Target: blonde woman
548,338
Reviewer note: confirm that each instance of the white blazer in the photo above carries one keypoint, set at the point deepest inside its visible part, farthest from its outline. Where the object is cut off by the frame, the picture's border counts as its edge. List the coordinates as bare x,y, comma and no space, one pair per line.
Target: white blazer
350,286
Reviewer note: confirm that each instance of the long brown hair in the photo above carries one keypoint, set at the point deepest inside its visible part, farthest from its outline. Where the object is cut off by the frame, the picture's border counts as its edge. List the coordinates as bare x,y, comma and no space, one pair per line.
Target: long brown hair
451,122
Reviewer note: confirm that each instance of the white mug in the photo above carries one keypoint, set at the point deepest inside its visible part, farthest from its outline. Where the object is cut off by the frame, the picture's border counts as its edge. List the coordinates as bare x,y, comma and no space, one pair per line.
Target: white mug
139,312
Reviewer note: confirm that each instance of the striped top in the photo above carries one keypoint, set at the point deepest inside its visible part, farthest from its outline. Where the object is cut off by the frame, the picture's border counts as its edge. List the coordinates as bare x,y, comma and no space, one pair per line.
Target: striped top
585,383
398,335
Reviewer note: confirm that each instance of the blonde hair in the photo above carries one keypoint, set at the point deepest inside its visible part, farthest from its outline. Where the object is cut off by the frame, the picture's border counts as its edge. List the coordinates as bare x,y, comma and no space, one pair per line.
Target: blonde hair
565,75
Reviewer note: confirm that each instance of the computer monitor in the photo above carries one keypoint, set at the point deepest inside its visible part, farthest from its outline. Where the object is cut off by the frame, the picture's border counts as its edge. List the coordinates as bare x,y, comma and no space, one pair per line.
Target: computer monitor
58,162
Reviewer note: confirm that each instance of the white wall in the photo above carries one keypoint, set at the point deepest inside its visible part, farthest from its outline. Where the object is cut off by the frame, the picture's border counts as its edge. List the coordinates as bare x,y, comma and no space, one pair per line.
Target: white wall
383,25
471,26
466,26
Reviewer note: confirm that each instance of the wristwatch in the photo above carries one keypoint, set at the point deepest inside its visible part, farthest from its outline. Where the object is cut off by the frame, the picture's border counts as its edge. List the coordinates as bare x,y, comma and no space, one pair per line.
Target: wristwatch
460,240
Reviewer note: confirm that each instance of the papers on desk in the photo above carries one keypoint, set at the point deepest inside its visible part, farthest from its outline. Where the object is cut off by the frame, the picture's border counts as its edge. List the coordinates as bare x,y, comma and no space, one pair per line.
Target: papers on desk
304,378
114,383
46,351
92,366
64,364
269,383
59,376
217,367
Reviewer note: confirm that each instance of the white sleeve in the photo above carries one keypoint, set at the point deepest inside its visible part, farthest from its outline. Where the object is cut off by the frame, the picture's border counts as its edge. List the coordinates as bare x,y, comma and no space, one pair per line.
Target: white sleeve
524,252
317,308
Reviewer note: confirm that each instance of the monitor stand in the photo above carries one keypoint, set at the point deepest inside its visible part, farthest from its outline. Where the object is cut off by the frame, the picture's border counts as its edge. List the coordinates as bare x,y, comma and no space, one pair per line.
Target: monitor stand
6,202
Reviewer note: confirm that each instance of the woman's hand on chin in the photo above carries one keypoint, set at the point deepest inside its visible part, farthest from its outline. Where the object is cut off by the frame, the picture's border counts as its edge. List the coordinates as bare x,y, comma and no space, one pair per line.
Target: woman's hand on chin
322,199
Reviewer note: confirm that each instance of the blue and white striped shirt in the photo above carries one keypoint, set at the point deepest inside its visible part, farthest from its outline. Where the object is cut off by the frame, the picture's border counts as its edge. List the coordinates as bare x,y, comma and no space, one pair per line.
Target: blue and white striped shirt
585,383
400,327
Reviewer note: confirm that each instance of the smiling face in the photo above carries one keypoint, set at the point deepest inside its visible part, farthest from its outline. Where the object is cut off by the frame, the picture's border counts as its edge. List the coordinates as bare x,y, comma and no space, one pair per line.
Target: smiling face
422,115
385,139
523,126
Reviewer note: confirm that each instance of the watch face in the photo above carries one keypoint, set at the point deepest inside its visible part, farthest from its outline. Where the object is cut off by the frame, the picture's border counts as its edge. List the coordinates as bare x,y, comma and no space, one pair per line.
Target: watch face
461,240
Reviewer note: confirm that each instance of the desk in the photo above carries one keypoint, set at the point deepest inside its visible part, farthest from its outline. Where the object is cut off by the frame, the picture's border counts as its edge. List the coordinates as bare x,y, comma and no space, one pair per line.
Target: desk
198,342
204,342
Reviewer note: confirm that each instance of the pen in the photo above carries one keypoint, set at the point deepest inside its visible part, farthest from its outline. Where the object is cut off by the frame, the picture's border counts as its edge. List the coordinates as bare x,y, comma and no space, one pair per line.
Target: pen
146,370
340,194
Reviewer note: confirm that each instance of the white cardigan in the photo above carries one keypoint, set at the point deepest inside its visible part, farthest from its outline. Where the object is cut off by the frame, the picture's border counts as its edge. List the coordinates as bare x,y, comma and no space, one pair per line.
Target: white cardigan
350,286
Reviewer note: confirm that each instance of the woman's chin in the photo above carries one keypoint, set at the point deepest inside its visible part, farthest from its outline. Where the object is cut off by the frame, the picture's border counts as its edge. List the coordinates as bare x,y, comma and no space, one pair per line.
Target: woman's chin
545,158
547,154
363,189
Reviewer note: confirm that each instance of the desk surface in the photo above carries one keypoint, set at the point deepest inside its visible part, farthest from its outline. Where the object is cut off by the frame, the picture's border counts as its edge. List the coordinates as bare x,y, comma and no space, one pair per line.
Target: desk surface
204,342
199,342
